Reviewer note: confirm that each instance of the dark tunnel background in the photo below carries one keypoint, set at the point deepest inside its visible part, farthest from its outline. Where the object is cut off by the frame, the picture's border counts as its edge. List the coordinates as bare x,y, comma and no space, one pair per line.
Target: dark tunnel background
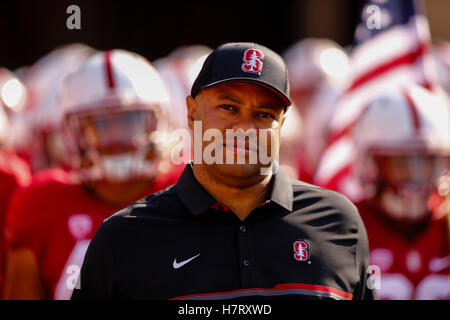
31,28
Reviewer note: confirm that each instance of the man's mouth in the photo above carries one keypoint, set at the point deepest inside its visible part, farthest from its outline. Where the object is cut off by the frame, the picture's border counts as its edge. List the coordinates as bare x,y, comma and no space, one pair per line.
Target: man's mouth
247,149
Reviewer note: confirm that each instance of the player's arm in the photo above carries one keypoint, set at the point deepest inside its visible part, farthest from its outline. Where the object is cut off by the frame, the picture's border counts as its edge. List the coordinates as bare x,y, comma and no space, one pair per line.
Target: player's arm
22,277
97,278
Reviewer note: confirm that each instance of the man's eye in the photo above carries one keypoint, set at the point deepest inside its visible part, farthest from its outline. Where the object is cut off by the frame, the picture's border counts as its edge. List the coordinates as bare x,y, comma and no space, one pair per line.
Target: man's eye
227,107
266,115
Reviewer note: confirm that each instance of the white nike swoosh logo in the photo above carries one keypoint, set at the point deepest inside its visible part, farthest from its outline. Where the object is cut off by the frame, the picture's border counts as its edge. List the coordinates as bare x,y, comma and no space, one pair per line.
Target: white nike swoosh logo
177,265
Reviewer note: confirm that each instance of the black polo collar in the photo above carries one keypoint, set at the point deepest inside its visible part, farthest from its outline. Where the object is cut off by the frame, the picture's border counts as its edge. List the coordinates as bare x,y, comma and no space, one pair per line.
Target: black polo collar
197,199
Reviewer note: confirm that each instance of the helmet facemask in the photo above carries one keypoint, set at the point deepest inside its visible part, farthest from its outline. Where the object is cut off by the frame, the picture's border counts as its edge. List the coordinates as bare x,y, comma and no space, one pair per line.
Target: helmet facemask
404,181
117,144
403,143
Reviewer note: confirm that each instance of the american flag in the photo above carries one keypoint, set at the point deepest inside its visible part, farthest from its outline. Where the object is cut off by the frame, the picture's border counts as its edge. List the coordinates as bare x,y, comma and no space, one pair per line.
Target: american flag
392,45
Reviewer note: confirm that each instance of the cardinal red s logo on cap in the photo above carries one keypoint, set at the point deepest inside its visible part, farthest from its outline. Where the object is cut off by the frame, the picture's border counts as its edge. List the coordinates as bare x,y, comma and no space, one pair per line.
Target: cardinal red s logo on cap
253,61
301,251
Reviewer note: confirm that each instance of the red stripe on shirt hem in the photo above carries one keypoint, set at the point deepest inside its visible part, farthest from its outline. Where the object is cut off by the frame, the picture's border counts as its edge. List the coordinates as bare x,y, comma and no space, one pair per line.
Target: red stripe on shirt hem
278,287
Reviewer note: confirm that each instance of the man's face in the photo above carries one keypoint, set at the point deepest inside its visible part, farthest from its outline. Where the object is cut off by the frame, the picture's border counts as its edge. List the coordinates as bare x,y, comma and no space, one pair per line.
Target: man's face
239,105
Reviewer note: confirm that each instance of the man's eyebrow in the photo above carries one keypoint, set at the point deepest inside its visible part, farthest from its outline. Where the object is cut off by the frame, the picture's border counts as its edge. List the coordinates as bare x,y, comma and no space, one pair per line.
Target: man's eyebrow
271,107
231,98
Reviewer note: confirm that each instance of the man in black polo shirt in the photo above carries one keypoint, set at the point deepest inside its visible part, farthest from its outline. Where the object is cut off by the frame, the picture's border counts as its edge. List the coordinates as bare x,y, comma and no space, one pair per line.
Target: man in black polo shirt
229,229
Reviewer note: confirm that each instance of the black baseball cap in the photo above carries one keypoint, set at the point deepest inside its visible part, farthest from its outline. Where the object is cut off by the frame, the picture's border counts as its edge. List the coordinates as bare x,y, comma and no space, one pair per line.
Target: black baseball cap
248,62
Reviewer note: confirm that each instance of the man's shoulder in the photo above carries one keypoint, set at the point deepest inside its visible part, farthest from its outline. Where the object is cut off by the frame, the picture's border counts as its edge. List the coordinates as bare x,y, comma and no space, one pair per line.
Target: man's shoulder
161,204
301,187
324,200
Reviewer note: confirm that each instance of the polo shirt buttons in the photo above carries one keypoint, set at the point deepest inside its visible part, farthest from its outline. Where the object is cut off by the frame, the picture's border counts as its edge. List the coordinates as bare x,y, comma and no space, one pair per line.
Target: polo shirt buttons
247,263
243,228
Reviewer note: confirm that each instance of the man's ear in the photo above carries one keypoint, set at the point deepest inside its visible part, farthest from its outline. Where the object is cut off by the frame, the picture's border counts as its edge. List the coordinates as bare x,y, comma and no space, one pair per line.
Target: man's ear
281,125
192,105
282,119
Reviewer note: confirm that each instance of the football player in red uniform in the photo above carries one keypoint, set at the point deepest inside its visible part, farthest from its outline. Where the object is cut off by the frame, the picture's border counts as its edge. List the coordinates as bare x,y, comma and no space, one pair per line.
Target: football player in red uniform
403,143
35,129
441,55
115,113
179,70
318,71
14,172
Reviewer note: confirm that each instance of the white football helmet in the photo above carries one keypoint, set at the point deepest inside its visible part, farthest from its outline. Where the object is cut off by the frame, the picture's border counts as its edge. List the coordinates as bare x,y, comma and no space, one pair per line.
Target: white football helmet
13,93
179,70
441,54
318,70
115,111
4,125
13,96
403,144
313,61
36,128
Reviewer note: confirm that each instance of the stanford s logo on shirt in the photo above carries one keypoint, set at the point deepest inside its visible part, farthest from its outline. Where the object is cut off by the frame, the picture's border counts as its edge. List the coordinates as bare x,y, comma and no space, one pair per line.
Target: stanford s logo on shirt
253,61
301,250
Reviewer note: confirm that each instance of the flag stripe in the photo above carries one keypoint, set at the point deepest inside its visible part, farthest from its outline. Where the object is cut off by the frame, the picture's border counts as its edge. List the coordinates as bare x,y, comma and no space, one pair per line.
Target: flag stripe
384,60
373,74
414,112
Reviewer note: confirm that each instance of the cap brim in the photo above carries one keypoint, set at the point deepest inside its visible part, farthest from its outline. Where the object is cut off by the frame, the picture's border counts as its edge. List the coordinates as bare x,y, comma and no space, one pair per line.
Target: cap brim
283,97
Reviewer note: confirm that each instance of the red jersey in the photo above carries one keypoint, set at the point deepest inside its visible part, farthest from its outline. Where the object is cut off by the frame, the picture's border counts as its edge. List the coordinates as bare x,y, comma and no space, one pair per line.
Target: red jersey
14,172
415,268
56,220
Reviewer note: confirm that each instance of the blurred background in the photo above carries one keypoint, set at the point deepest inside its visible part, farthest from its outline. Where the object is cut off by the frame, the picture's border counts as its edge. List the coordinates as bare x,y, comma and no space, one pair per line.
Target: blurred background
370,119
30,29
154,28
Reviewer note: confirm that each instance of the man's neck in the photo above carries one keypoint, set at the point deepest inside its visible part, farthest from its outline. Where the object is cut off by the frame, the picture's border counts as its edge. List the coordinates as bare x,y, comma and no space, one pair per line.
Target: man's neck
242,200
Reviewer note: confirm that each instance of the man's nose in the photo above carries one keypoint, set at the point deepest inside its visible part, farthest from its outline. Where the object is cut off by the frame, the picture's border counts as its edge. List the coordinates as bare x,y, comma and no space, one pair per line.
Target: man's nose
245,122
